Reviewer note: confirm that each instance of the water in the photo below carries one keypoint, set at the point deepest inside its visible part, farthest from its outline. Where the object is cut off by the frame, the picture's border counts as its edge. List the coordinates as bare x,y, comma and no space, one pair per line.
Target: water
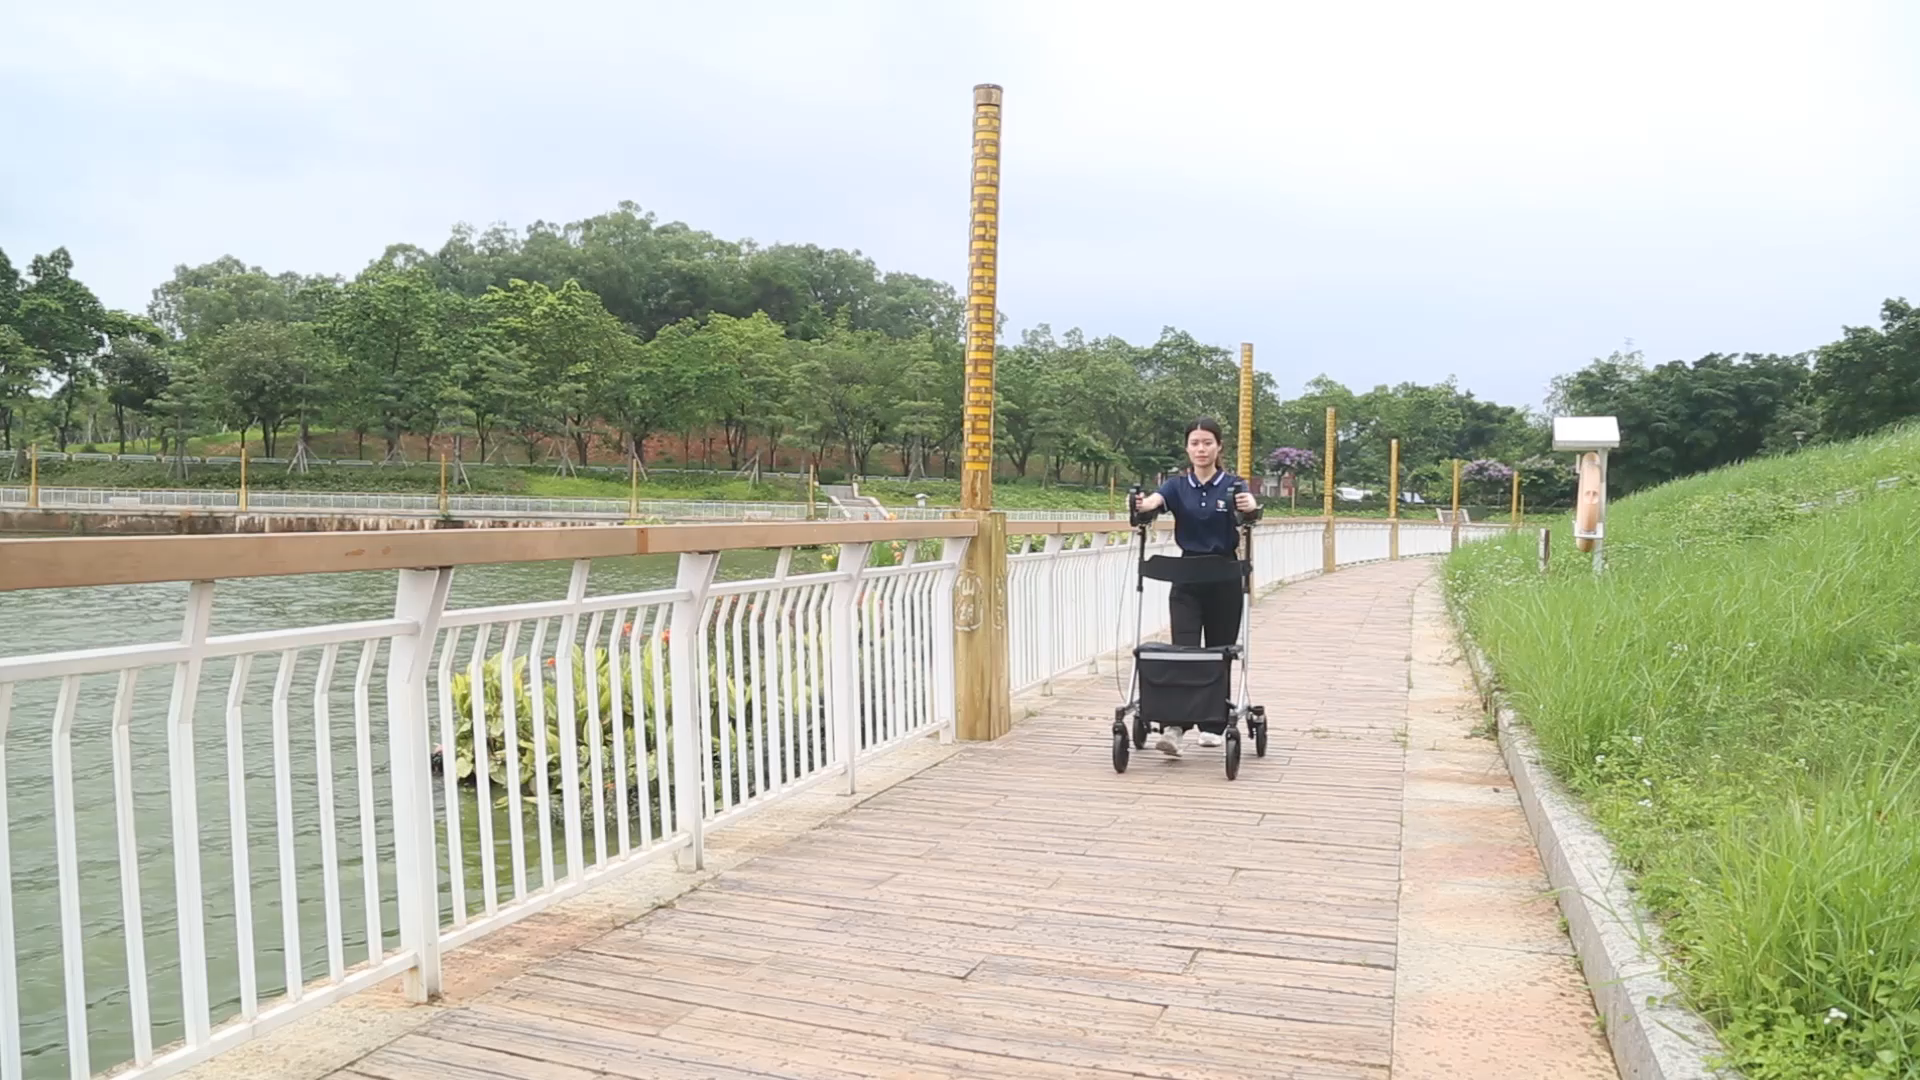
52,620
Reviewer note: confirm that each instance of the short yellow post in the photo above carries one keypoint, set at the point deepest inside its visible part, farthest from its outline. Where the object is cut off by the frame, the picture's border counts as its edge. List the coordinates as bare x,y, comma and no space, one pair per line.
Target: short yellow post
243,478
1393,499
443,483
1454,540
1110,496
811,484
1327,553
633,489
1516,498
33,477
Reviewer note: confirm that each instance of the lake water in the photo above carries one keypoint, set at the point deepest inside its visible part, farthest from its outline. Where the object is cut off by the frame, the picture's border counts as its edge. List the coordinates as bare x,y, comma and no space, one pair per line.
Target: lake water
52,620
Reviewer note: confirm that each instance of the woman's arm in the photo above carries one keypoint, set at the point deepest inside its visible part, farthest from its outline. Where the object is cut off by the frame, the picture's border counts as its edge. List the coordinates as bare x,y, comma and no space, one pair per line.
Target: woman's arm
1151,502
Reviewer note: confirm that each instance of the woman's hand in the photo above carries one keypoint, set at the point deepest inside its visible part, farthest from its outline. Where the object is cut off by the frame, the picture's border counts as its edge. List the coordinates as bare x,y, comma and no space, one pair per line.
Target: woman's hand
1244,503
1149,503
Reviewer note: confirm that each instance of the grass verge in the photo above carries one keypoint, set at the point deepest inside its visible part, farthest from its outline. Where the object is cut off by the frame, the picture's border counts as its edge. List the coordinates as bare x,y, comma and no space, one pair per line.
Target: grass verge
1738,702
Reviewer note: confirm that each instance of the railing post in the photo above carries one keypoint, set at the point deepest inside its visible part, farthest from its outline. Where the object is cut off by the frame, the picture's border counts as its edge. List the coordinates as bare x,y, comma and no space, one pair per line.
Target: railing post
1393,501
1329,553
566,700
184,794
33,477
420,598
953,552
984,702
844,690
1049,616
689,705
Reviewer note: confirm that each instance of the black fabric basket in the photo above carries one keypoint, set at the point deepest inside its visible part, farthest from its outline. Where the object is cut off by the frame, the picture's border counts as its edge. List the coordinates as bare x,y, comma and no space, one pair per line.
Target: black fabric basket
1185,685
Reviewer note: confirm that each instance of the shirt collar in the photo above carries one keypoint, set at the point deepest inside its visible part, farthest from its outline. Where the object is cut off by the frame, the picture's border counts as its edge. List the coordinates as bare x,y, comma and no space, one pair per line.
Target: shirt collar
1218,474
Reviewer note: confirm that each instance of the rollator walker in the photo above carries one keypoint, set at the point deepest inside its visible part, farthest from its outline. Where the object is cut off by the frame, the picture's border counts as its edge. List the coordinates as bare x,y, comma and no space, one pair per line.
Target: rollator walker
1187,686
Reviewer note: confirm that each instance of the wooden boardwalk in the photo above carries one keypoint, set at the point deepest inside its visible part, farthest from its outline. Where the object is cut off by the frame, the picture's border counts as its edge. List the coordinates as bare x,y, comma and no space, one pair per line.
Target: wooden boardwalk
1020,911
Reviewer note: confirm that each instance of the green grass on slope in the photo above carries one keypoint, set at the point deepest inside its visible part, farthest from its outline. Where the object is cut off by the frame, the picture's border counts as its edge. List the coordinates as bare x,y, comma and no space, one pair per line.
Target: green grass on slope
1738,700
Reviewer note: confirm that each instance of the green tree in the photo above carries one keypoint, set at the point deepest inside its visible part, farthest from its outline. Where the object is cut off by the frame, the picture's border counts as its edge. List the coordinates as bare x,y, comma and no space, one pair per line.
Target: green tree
136,372
383,326
268,373
569,343
1870,377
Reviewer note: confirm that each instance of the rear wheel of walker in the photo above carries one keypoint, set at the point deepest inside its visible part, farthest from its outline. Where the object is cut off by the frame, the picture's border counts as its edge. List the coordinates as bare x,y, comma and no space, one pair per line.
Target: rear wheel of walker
1259,726
1233,753
1140,732
1119,749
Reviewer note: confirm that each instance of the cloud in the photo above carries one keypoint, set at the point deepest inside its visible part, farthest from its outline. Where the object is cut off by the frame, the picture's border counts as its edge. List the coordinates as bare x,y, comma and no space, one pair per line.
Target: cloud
1379,191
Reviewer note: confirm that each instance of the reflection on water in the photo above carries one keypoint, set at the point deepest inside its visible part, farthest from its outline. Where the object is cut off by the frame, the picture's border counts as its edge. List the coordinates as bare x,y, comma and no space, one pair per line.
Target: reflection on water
63,619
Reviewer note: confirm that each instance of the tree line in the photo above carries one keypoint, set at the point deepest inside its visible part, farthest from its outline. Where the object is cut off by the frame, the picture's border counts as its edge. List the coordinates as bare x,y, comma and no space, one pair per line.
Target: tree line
600,337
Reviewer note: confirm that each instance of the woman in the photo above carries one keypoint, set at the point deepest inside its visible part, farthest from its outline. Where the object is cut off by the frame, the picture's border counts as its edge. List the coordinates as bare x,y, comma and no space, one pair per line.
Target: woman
1203,502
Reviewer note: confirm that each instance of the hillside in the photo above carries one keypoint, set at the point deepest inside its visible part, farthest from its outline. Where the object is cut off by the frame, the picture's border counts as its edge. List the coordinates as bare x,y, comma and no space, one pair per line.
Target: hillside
1738,700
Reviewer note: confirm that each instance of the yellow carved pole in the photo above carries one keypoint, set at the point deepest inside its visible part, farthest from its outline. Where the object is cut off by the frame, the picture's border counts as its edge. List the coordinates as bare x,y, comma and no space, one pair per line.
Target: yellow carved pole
976,471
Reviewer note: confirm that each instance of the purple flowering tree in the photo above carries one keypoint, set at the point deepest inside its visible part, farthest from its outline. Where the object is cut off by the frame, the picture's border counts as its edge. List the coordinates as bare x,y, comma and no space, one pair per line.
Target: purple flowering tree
1486,477
1293,460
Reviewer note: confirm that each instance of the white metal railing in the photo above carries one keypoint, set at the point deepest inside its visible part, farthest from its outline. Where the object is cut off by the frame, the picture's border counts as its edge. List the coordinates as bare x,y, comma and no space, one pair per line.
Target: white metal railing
310,502
356,827
614,729
1071,597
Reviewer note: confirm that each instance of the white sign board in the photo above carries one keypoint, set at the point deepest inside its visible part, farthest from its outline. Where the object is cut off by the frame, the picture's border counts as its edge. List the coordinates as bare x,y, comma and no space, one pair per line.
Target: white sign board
1579,433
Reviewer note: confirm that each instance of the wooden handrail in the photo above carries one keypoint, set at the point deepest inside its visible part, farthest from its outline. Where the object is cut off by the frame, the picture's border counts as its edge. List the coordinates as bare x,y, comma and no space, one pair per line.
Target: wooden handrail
133,560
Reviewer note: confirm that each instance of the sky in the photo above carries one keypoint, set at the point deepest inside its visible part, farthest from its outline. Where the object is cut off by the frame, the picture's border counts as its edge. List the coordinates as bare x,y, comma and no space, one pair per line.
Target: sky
1379,192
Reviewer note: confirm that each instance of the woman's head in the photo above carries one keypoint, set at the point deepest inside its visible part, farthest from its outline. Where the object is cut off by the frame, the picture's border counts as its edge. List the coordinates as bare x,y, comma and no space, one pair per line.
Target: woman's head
1203,443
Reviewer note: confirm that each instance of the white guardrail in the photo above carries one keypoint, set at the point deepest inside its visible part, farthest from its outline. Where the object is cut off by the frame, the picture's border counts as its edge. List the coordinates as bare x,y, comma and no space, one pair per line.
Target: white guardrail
501,506
617,728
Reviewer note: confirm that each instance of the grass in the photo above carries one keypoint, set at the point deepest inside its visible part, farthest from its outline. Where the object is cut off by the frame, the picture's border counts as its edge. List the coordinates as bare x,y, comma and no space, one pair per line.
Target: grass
422,478
1738,701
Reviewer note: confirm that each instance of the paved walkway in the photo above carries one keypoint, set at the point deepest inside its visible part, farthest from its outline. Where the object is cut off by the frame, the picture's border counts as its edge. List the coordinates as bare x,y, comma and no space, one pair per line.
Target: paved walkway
1346,910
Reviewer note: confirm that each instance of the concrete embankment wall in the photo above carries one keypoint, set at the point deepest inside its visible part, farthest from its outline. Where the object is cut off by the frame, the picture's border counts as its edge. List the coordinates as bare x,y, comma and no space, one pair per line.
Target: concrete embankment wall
202,522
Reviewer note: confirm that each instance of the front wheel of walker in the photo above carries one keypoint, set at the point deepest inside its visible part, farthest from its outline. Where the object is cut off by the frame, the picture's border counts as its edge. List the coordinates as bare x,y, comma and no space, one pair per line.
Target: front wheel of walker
1120,748
1233,753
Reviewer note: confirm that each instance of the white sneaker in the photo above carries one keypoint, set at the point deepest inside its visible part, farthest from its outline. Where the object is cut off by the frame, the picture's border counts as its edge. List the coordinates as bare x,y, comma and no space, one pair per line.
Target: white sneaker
1170,739
1211,738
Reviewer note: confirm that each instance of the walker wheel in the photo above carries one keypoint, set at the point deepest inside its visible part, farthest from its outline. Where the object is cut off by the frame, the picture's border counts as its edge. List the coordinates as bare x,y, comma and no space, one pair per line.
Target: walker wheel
1260,739
1119,749
1140,732
1233,753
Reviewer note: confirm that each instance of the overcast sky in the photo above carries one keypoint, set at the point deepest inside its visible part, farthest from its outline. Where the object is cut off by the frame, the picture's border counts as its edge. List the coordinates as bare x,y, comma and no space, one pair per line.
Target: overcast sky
1376,191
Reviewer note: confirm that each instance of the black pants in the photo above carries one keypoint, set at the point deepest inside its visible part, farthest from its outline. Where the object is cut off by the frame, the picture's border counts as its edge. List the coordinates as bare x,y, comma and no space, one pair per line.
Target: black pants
1210,610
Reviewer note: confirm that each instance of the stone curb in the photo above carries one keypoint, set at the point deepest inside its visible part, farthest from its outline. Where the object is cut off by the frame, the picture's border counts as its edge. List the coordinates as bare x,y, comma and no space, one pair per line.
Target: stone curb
1654,1036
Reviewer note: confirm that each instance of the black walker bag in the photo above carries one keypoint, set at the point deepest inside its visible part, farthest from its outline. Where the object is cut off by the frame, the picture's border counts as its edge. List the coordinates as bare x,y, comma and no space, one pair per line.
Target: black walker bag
1185,685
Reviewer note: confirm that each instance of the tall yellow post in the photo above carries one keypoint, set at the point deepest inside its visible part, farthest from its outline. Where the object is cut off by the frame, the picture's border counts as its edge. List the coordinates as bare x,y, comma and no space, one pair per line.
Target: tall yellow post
976,470
982,690
633,489
1393,499
811,484
1327,553
1516,498
33,477
1245,435
1110,496
443,483
243,479
1454,540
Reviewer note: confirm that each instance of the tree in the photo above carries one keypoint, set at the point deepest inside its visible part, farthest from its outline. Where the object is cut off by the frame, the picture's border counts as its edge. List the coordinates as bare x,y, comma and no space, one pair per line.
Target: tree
569,344
655,387
383,327
66,326
1870,378
751,376
268,373
136,373
852,381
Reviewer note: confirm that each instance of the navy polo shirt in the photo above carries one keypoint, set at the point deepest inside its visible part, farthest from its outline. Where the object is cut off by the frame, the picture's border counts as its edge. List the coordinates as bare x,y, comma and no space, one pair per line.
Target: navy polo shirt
1203,521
